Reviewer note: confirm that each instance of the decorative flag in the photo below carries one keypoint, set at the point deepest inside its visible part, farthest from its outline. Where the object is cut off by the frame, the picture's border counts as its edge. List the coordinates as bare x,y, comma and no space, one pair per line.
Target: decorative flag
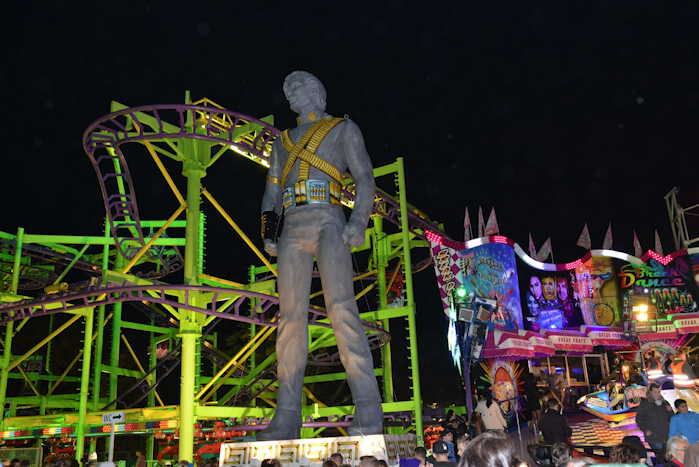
491,228
584,238
545,251
658,245
637,249
481,224
607,243
532,248
467,226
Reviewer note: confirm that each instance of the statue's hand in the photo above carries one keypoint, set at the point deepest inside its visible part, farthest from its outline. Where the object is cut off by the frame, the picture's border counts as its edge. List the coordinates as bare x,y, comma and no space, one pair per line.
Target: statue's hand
271,248
353,235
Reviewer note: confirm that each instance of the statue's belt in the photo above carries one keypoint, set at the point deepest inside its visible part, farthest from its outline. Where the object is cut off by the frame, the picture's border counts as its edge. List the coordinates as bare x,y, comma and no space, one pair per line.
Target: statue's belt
305,151
311,191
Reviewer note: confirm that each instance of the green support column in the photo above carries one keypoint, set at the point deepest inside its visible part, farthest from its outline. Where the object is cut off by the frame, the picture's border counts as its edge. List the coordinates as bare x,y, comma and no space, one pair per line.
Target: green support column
49,347
252,277
380,252
190,328
10,327
84,385
412,331
116,341
152,362
99,340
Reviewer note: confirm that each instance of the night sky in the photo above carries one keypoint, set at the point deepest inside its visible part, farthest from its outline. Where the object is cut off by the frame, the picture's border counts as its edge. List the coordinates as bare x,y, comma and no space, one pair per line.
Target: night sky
555,114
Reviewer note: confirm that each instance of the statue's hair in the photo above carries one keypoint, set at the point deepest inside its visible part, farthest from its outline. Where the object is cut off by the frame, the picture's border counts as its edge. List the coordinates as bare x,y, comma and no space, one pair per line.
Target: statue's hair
308,79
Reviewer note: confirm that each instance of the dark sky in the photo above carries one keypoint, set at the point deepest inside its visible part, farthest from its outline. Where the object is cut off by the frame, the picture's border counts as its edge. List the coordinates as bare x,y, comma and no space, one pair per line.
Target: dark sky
555,114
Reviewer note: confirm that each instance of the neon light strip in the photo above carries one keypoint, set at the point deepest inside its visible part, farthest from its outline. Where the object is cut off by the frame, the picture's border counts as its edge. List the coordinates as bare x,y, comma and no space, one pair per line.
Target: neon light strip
648,255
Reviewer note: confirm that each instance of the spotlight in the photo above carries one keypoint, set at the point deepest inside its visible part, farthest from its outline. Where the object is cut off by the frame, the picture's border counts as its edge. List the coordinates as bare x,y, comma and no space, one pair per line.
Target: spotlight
461,292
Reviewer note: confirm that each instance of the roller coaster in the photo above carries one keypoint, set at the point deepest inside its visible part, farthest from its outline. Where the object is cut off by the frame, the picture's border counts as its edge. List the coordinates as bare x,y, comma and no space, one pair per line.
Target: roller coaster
128,265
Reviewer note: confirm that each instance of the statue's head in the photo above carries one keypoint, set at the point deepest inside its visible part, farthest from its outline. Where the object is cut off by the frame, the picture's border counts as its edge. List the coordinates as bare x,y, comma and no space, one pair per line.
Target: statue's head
304,91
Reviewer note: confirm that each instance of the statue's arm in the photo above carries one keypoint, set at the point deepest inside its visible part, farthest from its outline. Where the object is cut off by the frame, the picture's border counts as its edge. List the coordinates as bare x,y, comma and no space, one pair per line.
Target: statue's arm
271,201
359,164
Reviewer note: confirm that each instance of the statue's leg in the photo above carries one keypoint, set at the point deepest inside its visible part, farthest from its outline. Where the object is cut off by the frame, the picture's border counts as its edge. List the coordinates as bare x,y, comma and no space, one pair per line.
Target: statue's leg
335,265
294,282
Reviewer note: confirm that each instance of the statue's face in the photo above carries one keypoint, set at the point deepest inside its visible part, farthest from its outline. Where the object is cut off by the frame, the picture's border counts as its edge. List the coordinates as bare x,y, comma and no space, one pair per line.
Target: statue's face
300,94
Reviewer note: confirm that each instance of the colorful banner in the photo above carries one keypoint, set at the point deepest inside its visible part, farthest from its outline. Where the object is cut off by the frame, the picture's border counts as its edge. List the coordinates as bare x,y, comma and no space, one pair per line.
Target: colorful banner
447,264
551,302
658,290
598,292
490,271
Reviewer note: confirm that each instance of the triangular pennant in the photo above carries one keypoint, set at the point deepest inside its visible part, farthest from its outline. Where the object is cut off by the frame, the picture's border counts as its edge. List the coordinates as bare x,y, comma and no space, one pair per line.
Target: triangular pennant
467,226
658,244
491,228
608,240
584,238
481,224
545,250
532,248
637,249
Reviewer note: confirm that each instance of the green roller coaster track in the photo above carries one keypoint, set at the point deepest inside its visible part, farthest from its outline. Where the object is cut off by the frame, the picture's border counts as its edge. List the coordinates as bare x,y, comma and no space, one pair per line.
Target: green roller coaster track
125,265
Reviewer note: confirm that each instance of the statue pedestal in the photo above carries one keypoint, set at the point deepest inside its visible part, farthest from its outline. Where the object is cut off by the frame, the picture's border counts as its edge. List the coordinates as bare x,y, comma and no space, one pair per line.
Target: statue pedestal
312,452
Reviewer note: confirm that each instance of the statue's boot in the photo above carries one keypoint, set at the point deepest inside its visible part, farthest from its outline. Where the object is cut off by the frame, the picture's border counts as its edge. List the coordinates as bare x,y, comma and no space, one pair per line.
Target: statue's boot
368,418
286,424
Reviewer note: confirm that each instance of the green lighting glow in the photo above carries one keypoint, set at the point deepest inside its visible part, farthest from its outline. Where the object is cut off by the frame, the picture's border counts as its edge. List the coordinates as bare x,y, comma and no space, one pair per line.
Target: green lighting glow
461,292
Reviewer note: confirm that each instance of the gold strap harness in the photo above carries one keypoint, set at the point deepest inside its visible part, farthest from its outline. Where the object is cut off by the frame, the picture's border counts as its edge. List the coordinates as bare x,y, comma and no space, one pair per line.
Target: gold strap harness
305,150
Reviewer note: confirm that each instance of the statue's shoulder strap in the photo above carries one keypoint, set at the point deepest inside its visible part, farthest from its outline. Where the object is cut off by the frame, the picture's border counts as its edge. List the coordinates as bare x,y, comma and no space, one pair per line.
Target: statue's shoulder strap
287,142
308,155
305,149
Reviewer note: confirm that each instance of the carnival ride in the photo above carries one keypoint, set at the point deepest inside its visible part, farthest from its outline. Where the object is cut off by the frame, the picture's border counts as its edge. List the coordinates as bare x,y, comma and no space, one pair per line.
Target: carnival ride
127,265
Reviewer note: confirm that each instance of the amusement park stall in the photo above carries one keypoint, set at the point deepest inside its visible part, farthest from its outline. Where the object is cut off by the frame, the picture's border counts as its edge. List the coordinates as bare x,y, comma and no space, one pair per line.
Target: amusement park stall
605,316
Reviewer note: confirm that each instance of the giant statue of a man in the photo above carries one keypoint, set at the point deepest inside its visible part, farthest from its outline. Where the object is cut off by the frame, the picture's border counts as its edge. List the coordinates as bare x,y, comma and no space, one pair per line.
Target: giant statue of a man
304,182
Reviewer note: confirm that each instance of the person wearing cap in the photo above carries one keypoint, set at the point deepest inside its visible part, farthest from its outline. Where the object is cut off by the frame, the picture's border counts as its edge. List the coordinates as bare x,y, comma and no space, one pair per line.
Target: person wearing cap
440,451
448,437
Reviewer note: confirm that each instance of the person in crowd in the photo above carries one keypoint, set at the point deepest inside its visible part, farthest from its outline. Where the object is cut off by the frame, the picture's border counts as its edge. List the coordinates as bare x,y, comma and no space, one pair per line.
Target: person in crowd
461,445
329,463
623,454
367,461
554,426
271,463
491,449
15,462
676,447
691,456
380,463
578,463
684,422
337,459
448,437
490,413
419,458
635,442
531,392
653,418
560,454
440,451
140,459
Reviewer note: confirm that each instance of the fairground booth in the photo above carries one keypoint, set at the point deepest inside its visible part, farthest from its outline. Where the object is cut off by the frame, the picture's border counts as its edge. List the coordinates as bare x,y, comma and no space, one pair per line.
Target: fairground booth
594,330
